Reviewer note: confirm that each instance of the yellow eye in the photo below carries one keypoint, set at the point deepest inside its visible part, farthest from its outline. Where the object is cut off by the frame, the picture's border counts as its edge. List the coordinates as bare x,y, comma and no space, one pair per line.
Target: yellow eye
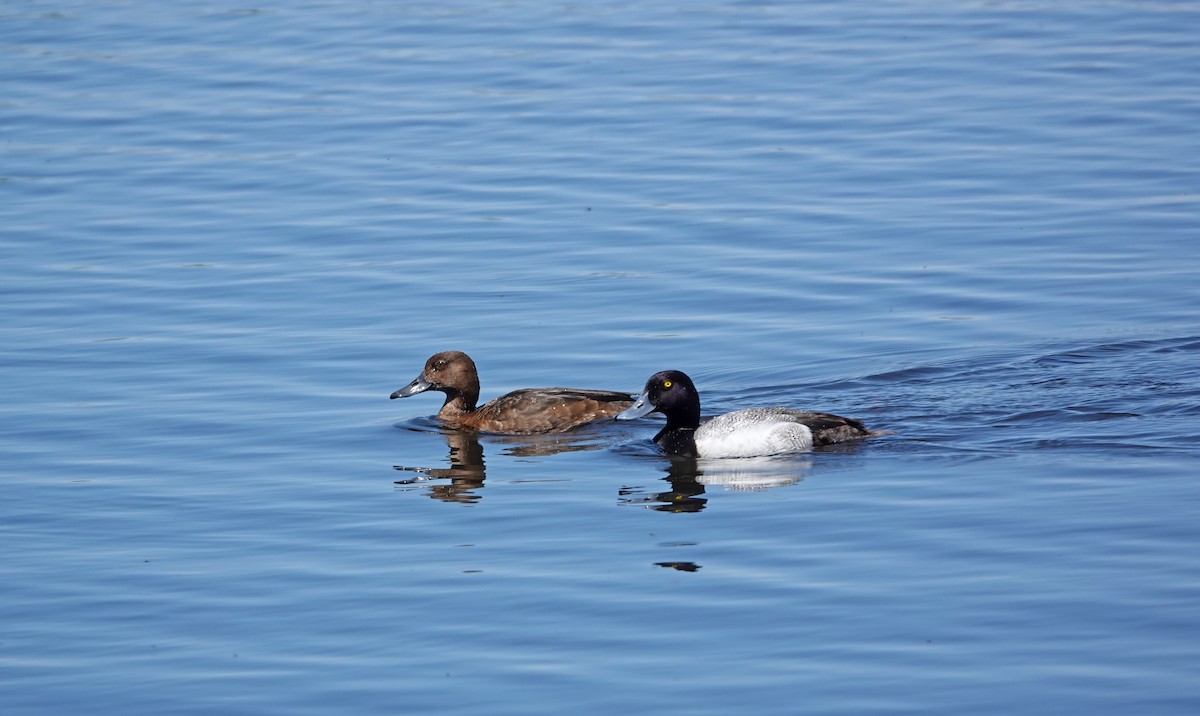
666,384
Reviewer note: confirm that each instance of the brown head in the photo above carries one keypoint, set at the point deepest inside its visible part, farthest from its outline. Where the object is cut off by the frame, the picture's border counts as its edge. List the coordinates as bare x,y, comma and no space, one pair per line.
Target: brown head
449,372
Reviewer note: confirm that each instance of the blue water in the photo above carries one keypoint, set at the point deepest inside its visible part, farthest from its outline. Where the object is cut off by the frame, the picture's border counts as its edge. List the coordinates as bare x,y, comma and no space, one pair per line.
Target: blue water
228,232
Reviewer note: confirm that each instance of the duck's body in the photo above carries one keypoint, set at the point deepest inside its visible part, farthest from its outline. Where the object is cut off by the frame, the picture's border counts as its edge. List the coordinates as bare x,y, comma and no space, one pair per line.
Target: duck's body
752,432
535,410
521,412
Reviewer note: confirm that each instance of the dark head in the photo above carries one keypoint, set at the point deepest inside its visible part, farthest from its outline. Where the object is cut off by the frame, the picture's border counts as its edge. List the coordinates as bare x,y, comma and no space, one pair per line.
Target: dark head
671,393
450,372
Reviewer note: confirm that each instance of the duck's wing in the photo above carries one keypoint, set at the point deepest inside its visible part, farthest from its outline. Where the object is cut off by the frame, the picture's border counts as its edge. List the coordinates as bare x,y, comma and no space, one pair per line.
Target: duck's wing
548,410
828,428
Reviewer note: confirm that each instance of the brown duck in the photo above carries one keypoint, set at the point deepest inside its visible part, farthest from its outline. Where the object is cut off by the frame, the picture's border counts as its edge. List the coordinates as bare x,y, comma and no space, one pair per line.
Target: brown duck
521,412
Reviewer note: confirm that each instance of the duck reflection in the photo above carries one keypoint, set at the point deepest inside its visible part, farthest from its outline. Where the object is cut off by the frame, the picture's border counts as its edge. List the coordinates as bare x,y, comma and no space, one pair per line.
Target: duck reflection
684,494
690,477
467,470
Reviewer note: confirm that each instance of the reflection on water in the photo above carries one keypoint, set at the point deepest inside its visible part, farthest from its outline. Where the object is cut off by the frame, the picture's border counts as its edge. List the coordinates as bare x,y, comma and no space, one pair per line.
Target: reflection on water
754,473
683,496
467,470
679,566
688,478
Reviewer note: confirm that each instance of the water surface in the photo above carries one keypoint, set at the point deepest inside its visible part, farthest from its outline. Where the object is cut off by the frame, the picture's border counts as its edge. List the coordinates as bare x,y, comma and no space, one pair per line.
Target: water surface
230,232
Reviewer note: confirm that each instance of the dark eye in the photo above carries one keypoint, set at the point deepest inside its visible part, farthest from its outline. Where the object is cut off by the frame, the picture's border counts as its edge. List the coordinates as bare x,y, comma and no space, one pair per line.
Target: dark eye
439,365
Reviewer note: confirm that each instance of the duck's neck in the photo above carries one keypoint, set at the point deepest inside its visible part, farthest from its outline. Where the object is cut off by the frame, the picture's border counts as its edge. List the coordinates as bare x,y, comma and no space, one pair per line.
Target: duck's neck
677,441
679,435
685,417
459,402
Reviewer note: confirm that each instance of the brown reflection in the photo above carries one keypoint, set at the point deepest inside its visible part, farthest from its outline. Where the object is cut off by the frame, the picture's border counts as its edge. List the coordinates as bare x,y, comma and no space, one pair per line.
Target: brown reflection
543,445
466,472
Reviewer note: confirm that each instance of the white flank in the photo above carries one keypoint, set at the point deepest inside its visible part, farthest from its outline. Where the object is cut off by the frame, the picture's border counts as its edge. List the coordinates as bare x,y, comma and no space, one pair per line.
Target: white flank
753,432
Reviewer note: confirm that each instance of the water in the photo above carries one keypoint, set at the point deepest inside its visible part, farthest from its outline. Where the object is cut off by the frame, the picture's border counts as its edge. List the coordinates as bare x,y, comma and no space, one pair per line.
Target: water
229,232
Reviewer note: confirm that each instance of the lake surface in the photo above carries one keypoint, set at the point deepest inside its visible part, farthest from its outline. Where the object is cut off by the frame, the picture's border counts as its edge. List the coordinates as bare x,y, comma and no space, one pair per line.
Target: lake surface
228,232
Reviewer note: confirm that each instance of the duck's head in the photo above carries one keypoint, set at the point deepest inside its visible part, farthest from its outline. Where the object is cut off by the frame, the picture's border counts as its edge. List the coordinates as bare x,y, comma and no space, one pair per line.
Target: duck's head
450,372
672,393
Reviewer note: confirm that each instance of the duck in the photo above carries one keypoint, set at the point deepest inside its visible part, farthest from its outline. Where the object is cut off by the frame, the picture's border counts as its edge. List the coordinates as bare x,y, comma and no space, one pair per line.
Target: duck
752,432
522,412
